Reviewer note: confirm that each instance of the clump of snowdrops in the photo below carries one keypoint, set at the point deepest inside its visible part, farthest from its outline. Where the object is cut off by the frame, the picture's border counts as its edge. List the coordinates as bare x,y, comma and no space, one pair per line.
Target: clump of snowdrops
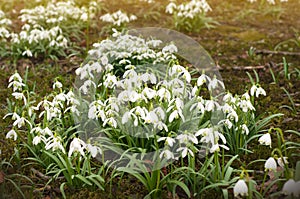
191,16
134,98
49,31
117,20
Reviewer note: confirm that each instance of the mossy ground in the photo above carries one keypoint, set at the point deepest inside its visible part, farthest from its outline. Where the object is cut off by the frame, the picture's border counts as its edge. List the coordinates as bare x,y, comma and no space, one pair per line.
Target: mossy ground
242,25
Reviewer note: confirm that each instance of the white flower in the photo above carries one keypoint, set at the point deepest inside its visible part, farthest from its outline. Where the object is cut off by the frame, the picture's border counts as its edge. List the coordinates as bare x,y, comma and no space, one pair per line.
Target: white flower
54,143
93,150
111,121
202,79
260,91
240,188
228,123
186,137
175,115
15,77
148,93
77,145
12,134
57,84
282,161
151,117
257,90
246,105
168,140
27,52
170,49
185,151
252,90
233,116
37,139
270,164
167,154
110,80
163,93
245,129
20,96
291,187
170,8
20,121
265,139
214,84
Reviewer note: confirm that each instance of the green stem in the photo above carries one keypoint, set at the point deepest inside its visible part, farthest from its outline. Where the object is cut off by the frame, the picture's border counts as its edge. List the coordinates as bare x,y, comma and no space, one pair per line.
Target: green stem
261,188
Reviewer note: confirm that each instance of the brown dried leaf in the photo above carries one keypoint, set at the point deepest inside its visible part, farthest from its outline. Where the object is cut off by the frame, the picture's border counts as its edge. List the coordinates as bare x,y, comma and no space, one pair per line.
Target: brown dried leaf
1,177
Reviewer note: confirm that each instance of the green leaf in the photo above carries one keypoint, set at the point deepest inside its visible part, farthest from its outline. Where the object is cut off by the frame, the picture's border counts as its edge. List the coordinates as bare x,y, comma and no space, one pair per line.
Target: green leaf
61,188
297,173
182,185
83,179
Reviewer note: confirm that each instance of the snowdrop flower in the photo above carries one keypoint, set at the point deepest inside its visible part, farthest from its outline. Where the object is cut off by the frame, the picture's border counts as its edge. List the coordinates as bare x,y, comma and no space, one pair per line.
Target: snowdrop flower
57,84
15,77
134,96
163,93
214,84
270,164
110,81
54,143
47,131
86,85
20,121
233,116
186,138
77,145
12,135
291,187
245,129
199,105
260,91
15,81
27,52
240,188
257,90
175,115
265,139
170,8
227,123
210,105
94,150
168,140
167,154
111,121
228,98
170,49
20,96
37,139
148,93
282,161
203,79
216,148
185,151
246,105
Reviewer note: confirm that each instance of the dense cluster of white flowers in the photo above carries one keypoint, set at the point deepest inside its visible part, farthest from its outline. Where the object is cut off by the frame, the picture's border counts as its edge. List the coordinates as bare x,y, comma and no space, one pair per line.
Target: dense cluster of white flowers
269,1
118,18
145,98
4,23
53,108
33,38
57,13
47,29
188,10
